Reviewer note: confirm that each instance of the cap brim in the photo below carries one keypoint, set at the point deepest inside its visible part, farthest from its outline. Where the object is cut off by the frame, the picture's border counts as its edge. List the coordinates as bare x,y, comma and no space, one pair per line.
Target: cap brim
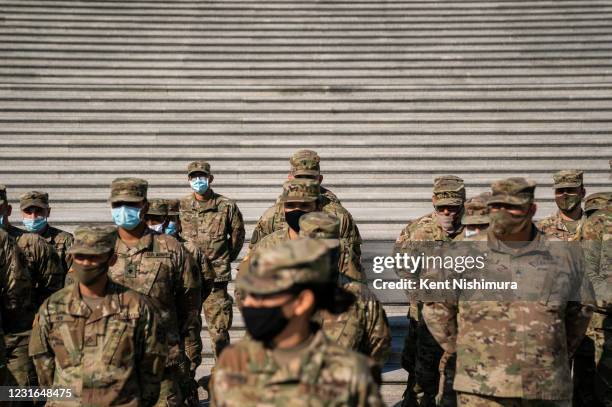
567,185
448,202
125,198
262,286
509,200
87,250
155,213
36,204
292,199
173,213
312,173
475,220
194,171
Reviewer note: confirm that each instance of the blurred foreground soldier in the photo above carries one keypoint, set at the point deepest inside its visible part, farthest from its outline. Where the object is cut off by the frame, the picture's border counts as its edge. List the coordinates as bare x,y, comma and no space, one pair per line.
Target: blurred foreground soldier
569,192
596,236
364,326
97,338
516,353
156,217
17,315
421,355
595,202
173,228
158,267
35,211
475,217
305,165
287,360
214,225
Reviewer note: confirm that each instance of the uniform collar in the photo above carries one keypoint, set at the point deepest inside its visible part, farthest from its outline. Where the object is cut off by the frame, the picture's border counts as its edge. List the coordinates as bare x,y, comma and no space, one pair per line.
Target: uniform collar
144,243
206,205
110,305
537,244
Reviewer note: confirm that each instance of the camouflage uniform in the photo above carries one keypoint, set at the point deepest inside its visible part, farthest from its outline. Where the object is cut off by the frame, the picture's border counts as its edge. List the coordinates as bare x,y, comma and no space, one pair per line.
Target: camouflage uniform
422,357
305,163
173,214
476,212
320,373
57,238
596,235
159,268
555,225
597,201
111,355
17,315
515,353
215,226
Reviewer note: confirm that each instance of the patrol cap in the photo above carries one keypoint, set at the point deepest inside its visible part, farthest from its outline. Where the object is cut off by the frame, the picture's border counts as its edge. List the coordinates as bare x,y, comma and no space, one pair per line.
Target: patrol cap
173,206
128,190
198,166
512,191
93,240
448,190
3,199
305,162
319,225
300,190
476,210
158,207
597,201
34,198
567,179
301,261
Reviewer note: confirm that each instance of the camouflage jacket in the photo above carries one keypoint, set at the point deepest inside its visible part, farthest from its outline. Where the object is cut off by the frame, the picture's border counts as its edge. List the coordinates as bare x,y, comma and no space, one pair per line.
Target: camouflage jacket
596,235
520,348
327,195
216,227
555,225
61,241
199,260
16,308
161,269
363,327
42,262
114,355
326,375
273,219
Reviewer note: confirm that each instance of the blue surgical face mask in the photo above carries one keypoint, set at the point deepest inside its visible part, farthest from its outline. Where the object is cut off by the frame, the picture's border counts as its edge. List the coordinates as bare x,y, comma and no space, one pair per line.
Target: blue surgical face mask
36,224
127,217
171,229
200,184
159,228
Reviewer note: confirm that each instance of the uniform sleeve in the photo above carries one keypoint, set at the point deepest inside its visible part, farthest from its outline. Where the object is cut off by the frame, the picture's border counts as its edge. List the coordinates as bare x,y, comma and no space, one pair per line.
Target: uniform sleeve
236,233
441,320
67,258
45,267
16,284
378,331
152,356
39,349
264,227
350,232
188,300
368,388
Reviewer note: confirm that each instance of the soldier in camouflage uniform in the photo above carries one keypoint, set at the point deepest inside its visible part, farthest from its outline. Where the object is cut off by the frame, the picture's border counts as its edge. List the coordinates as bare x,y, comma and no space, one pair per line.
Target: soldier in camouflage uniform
45,276
173,227
213,223
421,355
305,165
287,360
157,266
569,192
156,217
597,201
97,338
596,235
35,211
364,326
475,217
495,365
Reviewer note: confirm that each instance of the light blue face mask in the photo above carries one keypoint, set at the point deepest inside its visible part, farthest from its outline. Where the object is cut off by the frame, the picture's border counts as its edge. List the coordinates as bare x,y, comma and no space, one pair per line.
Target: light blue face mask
34,225
159,228
200,184
127,217
171,229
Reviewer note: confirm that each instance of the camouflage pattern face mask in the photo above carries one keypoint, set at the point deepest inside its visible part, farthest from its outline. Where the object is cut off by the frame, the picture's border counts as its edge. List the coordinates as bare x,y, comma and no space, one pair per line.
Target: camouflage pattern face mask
89,274
568,202
504,223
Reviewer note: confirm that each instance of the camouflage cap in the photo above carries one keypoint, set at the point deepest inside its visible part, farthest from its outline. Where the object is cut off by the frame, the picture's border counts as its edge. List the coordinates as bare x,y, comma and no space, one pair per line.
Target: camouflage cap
3,198
300,190
173,206
513,191
597,201
198,166
319,225
158,207
93,240
128,190
305,162
302,261
34,198
448,190
476,210
567,179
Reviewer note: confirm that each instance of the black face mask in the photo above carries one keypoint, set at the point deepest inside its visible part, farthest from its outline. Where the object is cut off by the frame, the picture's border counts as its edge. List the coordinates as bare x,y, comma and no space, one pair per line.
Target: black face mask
89,275
264,324
293,219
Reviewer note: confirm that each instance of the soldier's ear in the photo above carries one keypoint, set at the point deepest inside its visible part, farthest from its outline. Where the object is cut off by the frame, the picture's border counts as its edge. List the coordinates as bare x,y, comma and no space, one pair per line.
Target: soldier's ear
320,179
582,192
48,212
532,210
210,178
144,209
